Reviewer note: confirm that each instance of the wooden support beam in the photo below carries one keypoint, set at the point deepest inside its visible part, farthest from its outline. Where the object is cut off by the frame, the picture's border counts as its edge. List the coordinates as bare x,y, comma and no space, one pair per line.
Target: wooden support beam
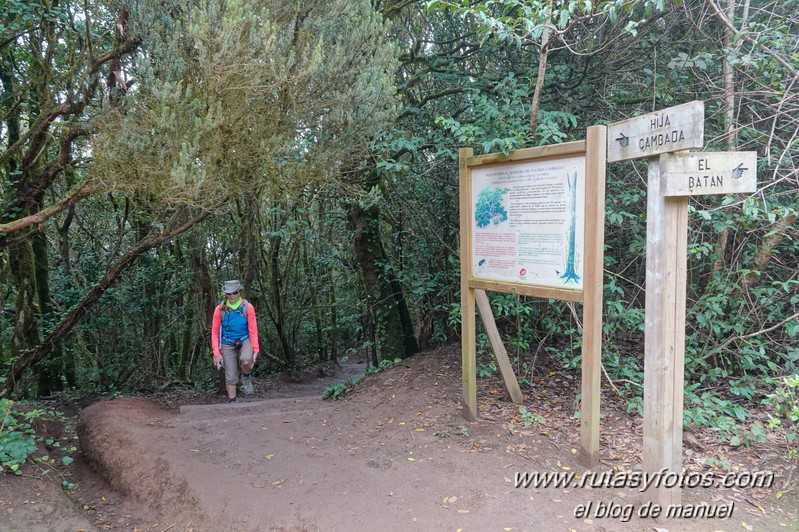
468,343
595,164
544,292
664,344
505,368
539,152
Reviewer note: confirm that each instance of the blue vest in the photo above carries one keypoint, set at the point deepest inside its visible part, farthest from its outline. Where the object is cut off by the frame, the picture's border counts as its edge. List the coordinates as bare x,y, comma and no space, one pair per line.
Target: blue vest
234,324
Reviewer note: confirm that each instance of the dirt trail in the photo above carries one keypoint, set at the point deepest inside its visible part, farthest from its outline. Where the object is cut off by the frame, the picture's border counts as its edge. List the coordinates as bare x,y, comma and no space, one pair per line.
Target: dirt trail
396,455
307,464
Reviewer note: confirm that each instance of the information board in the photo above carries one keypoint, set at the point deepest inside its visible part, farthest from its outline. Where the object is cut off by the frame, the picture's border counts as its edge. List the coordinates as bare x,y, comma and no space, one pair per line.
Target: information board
527,222
532,224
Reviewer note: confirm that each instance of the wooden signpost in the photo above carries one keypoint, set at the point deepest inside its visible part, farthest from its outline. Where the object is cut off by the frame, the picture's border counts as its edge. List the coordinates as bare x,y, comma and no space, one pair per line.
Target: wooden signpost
671,179
532,223
696,174
674,129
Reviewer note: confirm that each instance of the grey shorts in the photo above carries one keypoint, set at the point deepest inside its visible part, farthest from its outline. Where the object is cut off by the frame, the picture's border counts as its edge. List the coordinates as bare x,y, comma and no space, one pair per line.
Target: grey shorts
233,357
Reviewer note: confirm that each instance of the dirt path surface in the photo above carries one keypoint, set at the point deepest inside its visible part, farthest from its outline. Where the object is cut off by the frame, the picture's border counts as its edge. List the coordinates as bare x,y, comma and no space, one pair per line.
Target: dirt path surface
394,455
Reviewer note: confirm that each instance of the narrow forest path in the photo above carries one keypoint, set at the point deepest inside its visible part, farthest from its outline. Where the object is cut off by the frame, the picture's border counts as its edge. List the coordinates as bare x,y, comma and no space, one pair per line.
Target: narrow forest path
395,455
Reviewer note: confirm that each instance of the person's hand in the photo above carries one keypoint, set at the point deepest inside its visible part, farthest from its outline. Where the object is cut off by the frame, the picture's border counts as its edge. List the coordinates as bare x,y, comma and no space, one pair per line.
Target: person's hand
217,361
254,356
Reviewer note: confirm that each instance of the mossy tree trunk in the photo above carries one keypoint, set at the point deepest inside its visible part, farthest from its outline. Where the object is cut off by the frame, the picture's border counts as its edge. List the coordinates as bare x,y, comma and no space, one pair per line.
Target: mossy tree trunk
385,297
23,275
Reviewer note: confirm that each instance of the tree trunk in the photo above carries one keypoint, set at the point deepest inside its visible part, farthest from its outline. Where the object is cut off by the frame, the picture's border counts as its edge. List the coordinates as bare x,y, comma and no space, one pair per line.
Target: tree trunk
50,374
730,135
278,317
333,318
251,246
535,107
385,298
22,263
321,345
766,251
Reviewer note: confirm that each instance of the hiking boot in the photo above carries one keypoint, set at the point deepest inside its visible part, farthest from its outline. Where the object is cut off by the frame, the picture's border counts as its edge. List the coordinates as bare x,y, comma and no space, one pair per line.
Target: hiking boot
246,384
231,401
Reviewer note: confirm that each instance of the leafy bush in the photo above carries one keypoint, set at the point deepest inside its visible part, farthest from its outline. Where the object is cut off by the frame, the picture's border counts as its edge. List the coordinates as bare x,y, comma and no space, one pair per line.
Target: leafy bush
785,402
16,436
340,389
336,391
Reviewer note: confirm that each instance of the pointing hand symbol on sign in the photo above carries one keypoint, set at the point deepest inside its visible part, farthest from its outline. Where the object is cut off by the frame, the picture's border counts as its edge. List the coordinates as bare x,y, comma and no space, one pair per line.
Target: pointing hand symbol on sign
624,140
738,171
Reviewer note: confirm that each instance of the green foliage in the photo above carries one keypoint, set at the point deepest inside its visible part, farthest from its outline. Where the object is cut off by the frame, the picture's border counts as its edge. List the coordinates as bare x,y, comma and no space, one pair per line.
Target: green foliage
529,417
340,389
211,99
337,391
518,21
486,370
383,365
495,119
785,404
18,436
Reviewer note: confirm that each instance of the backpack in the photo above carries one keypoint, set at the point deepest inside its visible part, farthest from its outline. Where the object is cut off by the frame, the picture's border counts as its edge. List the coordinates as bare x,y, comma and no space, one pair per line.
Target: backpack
242,311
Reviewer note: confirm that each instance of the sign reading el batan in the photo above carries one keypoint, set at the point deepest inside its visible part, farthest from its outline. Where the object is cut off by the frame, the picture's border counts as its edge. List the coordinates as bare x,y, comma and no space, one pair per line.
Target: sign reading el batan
528,222
699,174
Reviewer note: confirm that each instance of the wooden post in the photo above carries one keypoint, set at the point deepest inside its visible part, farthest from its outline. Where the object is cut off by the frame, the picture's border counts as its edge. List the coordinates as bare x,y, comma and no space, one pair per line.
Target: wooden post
501,354
664,344
468,344
595,164
666,131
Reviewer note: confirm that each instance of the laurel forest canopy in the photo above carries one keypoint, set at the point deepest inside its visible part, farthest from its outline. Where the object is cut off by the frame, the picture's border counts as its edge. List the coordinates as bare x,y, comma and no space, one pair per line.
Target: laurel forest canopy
175,111
154,149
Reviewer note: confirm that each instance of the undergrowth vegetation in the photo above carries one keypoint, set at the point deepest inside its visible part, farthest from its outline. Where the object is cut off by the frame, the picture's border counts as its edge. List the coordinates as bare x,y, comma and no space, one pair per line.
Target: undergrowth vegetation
339,390
23,440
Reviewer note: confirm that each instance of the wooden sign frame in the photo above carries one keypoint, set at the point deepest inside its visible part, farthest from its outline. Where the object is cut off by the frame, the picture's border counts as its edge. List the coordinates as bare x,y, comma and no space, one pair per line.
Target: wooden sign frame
594,151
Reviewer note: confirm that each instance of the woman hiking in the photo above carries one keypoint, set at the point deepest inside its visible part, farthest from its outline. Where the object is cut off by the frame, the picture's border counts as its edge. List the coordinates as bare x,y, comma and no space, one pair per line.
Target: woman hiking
234,339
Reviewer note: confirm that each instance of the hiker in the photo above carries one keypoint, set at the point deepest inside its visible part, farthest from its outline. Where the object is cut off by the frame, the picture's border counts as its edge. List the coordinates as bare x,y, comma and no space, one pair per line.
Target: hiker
234,339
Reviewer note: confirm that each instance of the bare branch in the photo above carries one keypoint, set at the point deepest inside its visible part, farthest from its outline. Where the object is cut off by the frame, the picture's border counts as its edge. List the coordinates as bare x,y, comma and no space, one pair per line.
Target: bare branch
50,211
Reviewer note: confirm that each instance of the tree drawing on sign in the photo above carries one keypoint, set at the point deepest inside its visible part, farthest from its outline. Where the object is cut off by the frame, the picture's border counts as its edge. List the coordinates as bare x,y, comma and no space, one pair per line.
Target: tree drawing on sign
570,275
489,209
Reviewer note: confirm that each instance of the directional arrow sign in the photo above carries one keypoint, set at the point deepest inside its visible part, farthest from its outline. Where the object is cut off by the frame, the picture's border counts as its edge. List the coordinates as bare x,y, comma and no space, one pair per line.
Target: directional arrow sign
697,174
677,128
